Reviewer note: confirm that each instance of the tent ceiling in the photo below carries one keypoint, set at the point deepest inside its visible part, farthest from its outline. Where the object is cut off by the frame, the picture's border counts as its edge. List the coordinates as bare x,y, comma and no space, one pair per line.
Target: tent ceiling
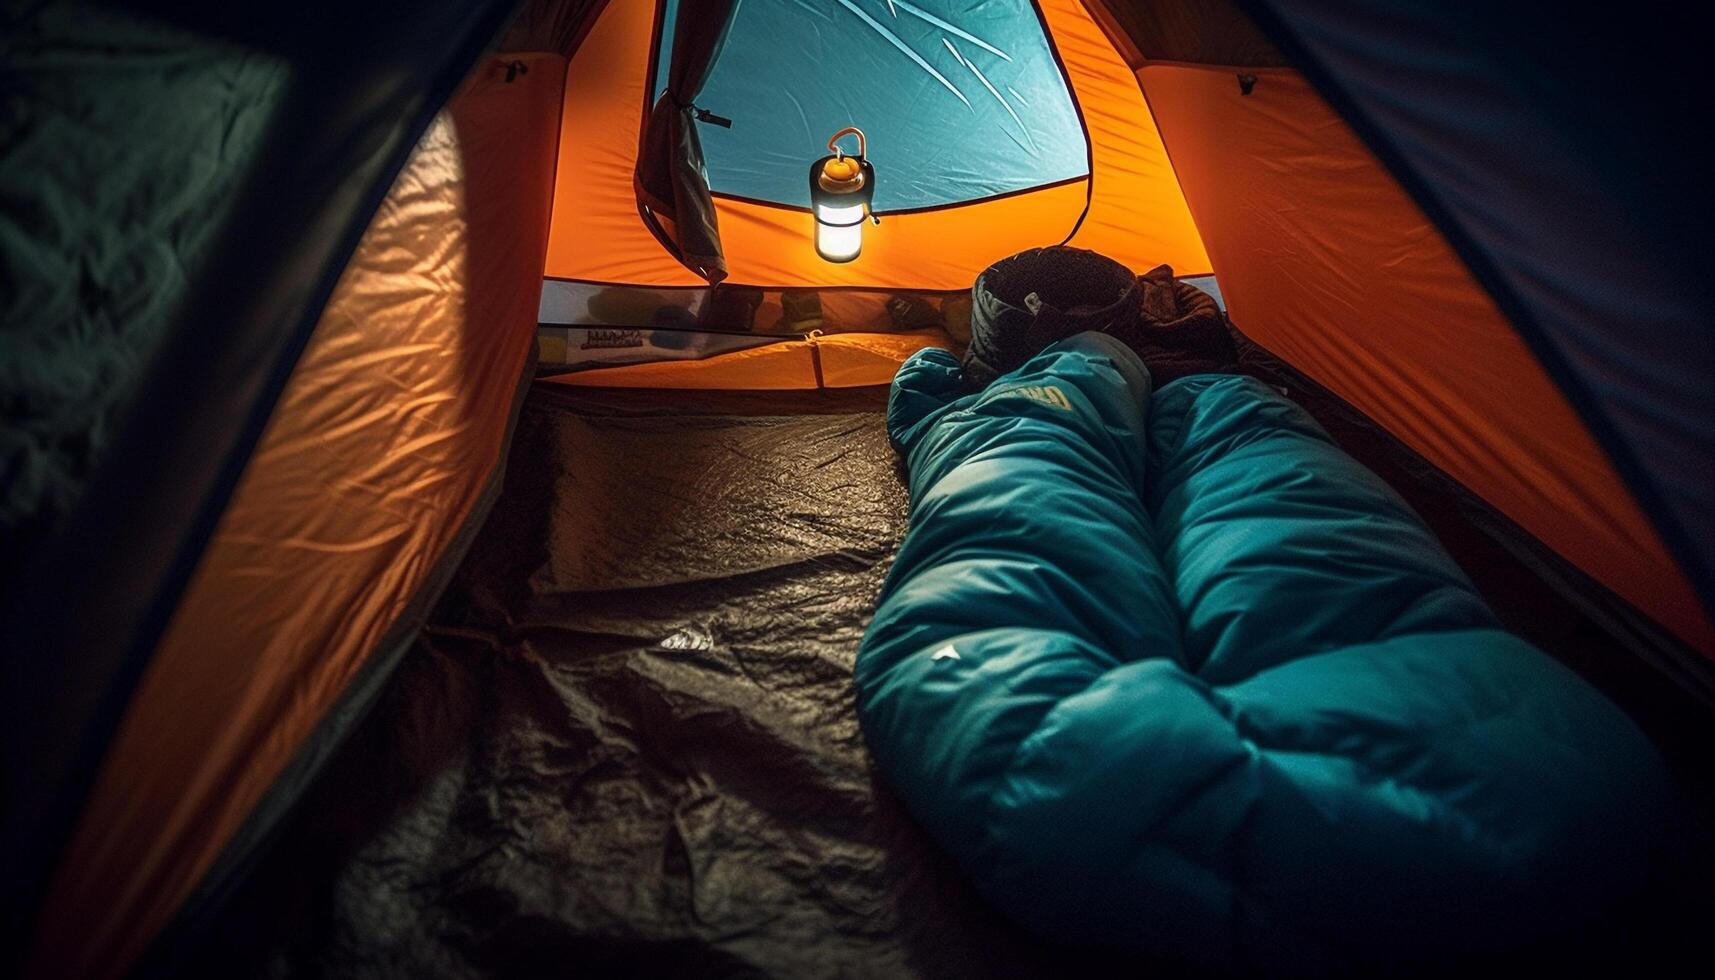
1130,206
958,104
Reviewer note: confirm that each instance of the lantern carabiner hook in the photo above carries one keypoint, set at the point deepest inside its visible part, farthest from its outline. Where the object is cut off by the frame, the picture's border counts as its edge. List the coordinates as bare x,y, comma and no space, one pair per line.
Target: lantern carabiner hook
834,143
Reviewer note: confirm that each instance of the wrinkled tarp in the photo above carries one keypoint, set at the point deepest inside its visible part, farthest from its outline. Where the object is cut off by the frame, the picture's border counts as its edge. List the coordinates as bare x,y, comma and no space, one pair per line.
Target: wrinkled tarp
626,744
662,775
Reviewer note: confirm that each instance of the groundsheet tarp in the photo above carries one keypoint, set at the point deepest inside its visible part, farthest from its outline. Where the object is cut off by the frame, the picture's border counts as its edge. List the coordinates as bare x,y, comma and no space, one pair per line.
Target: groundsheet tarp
626,743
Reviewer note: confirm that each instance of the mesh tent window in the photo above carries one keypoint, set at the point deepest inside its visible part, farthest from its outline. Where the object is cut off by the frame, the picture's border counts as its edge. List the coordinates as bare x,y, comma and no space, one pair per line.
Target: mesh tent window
960,103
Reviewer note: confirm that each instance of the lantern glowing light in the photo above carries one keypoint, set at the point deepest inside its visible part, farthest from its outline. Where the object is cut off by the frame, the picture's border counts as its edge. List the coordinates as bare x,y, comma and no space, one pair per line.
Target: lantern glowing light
841,189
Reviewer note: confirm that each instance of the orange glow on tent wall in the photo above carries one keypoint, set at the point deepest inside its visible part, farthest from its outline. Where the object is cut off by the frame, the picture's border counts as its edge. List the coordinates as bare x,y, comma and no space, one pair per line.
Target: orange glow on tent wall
1370,301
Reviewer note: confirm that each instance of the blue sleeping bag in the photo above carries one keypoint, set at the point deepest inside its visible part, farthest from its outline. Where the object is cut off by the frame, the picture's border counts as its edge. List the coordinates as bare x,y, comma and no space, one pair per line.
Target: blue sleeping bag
1173,674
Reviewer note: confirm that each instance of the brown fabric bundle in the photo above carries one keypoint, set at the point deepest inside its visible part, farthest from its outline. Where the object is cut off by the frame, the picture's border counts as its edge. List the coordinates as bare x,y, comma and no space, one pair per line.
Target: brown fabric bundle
1179,331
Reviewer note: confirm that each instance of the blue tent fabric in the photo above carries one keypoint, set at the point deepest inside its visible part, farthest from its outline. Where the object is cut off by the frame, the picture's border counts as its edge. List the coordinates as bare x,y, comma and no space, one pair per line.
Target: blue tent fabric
959,101
1169,672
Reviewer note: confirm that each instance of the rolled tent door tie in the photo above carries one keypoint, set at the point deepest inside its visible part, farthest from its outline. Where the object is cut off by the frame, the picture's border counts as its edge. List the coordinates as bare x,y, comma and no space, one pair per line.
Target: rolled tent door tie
670,178
842,193
813,338
703,115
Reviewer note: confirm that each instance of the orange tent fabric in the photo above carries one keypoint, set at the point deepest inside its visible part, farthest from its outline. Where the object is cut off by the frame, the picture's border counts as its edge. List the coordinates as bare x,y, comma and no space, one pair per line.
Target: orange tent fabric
849,360
1326,262
1321,256
380,446
1136,211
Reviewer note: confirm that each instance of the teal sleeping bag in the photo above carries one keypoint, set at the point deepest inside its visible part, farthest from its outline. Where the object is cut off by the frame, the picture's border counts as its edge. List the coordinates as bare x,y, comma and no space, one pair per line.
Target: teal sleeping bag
1170,673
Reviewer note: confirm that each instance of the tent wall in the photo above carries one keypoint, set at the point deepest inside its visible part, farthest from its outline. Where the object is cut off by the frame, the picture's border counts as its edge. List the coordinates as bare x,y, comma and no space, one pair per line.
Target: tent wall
1497,358
89,601
550,26
1204,32
113,187
1562,154
1325,261
375,458
1135,209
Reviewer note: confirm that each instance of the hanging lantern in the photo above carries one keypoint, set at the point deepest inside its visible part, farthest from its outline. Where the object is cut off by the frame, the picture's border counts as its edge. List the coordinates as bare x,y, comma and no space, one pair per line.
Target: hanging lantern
841,189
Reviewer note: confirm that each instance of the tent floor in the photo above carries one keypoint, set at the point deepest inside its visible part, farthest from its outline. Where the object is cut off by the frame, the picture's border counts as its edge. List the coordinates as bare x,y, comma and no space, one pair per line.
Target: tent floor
626,744
626,741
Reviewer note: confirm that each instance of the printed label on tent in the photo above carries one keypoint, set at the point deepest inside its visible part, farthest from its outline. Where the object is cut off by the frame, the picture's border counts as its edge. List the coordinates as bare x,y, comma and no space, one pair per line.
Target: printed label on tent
568,348
603,339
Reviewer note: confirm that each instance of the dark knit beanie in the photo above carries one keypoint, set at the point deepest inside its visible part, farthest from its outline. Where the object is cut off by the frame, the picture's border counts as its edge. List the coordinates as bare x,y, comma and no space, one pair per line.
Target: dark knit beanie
1028,301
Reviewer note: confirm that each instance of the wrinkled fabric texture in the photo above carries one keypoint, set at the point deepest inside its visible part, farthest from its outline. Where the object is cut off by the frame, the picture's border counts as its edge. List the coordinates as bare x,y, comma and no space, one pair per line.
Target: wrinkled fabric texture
1617,306
1179,330
378,452
122,145
1172,673
1027,301
625,744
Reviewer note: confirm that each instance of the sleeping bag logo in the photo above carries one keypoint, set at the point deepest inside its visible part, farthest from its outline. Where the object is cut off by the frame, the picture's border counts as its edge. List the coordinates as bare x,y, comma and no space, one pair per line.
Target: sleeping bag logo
1049,395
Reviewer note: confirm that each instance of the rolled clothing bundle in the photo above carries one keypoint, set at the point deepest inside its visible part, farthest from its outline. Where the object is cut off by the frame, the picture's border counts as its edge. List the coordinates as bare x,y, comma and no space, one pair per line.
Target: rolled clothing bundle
1179,330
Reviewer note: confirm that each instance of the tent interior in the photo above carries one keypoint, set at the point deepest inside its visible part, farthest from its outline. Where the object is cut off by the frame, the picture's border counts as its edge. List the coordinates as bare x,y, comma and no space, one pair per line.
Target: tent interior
637,751
475,588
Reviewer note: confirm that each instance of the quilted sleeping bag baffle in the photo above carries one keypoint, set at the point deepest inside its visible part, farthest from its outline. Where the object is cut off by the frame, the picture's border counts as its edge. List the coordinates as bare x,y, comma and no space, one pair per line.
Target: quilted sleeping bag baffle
1169,672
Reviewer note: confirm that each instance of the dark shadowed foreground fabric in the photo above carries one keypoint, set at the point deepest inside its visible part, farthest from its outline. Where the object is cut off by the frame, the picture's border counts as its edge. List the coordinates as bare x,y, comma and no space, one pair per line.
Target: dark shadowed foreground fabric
1261,723
627,745
122,145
